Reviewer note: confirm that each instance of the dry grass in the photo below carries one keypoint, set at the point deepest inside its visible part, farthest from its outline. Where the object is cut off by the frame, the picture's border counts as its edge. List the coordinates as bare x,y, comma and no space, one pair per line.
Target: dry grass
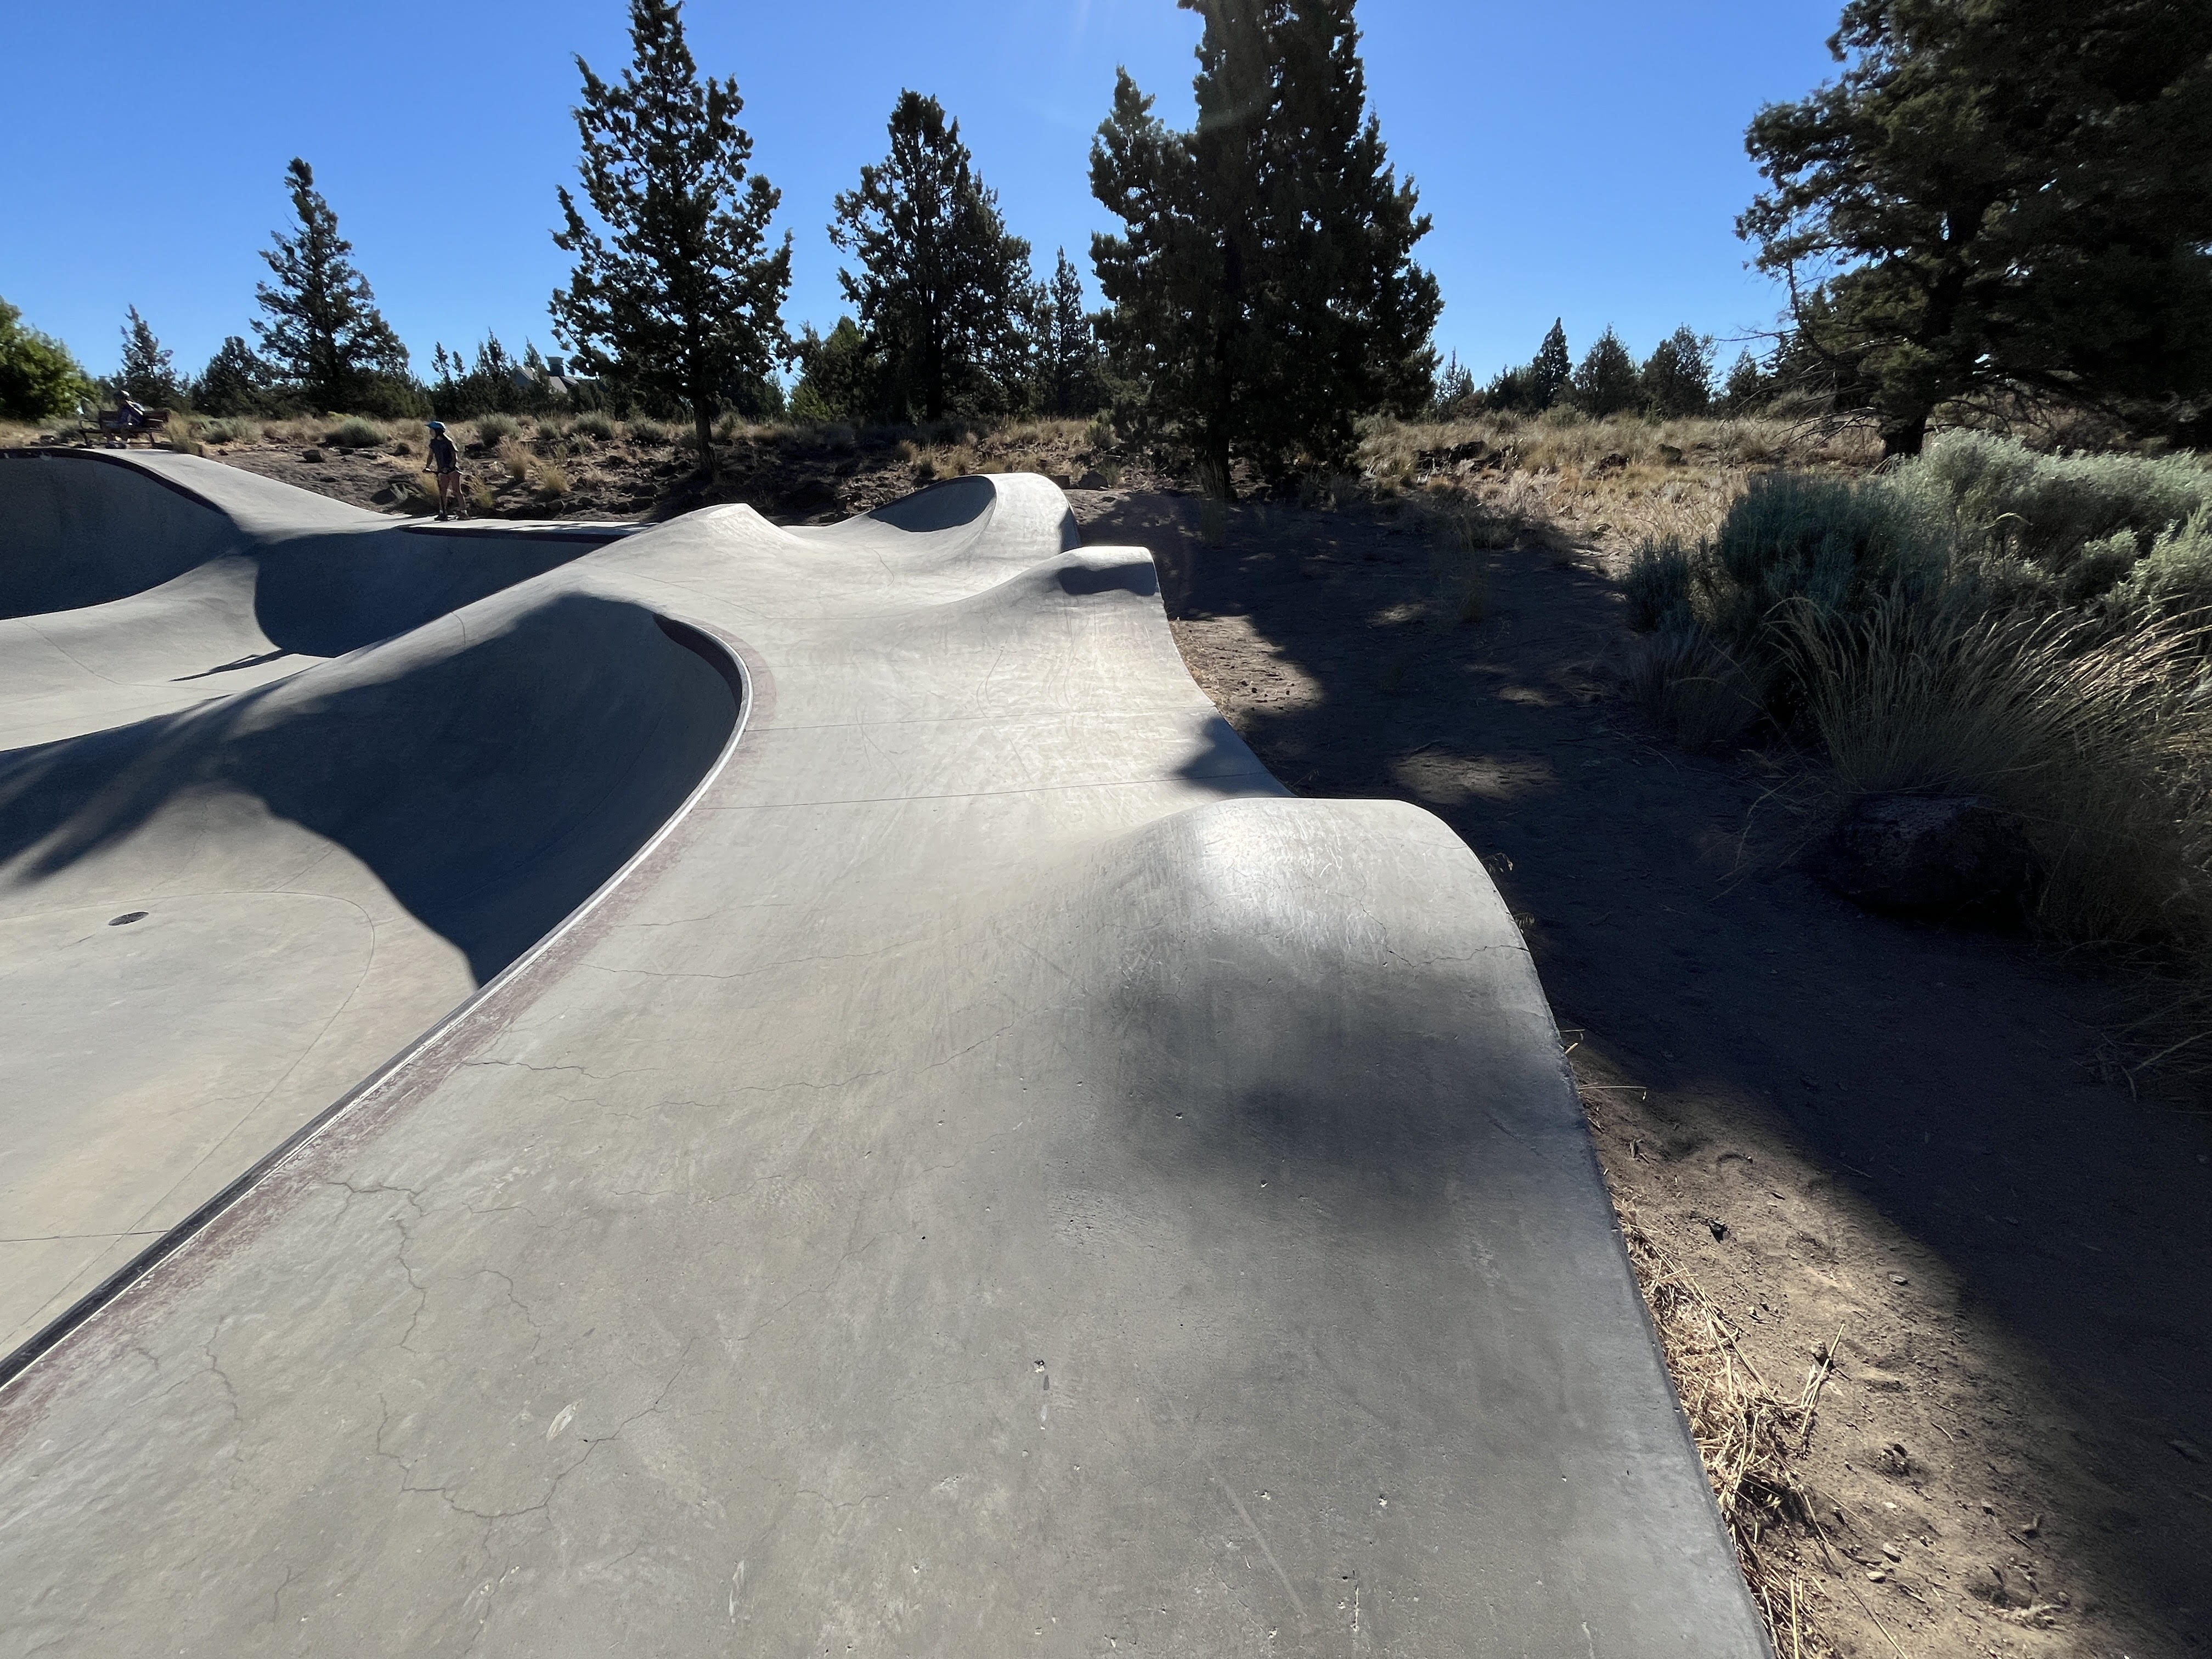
550,481
1751,1436
1601,486
2099,745
515,459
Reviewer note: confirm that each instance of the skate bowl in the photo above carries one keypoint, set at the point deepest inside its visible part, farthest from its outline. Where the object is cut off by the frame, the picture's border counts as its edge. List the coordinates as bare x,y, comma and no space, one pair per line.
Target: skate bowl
918,1144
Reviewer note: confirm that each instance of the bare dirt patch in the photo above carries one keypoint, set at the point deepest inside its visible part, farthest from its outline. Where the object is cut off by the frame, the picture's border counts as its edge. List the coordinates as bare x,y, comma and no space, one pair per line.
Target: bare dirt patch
1904,1237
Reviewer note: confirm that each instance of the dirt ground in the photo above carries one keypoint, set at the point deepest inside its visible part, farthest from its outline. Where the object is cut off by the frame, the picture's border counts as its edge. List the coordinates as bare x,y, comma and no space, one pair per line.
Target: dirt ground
1899,1147
1896,1164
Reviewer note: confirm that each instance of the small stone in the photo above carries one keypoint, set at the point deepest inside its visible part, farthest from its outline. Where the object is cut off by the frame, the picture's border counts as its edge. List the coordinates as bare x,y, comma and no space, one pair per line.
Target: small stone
1893,1552
1876,1577
1899,1278
1092,479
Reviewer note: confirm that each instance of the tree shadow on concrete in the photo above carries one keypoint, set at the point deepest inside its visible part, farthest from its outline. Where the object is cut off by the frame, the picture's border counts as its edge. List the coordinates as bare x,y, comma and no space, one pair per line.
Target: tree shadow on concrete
1942,1077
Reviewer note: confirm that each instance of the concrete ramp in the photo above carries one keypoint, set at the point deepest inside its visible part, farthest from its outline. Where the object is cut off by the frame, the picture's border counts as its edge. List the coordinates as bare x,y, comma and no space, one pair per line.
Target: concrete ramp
131,585
991,1173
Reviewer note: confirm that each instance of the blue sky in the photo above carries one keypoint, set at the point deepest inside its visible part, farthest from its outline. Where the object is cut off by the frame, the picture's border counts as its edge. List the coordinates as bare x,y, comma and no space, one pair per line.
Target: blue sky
1581,158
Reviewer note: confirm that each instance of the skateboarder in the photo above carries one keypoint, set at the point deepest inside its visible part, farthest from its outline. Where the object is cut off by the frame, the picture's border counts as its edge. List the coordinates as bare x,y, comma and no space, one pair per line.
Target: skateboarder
446,462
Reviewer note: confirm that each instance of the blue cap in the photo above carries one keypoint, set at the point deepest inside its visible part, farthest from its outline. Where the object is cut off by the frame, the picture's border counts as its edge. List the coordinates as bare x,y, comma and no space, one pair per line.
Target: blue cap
437,426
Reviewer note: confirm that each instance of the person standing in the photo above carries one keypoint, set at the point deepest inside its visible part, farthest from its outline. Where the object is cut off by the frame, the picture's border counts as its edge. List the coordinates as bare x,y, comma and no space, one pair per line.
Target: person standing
446,462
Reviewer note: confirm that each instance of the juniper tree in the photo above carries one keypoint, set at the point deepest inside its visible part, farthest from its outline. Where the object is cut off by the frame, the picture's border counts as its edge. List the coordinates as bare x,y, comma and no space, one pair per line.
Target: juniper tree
1606,382
676,293
1746,388
943,290
149,374
840,379
323,332
235,382
1552,373
1263,291
1678,377
2008,196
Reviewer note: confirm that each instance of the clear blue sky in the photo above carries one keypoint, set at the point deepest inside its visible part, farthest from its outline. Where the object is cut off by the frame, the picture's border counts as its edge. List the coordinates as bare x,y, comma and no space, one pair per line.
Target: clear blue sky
1581,158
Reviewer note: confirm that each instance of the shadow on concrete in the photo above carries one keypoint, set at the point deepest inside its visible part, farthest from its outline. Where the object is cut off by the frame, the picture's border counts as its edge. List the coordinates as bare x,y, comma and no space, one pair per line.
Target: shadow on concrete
492,783
1941,1076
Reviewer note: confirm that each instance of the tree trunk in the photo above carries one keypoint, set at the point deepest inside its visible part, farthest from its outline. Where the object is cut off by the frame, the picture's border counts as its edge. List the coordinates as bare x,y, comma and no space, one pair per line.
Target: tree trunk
702,422
1903,435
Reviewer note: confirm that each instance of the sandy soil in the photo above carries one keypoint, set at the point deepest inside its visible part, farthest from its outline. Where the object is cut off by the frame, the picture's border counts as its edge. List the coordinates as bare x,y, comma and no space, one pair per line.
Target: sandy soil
1896,1144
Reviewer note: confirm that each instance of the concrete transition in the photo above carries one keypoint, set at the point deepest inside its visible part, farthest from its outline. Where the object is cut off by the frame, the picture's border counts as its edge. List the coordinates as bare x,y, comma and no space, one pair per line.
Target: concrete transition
903,1138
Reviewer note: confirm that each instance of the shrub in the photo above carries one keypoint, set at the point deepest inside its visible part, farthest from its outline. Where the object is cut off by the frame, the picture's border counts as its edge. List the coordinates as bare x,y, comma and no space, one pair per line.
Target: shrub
1704,696
492,430
38,376
354,432
1657,585
551,483
649,435
594,423
516,458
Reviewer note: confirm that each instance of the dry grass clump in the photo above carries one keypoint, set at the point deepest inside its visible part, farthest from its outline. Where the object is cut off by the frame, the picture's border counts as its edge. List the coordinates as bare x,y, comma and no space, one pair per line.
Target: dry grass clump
1750,1437
550,481
2098,742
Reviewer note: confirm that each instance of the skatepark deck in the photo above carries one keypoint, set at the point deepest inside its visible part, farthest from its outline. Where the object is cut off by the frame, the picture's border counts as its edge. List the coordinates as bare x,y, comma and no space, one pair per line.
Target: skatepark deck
904,1138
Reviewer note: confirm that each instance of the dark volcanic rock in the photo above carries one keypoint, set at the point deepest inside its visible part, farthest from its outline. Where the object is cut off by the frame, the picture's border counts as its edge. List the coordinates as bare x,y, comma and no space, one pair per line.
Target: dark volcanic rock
1921,852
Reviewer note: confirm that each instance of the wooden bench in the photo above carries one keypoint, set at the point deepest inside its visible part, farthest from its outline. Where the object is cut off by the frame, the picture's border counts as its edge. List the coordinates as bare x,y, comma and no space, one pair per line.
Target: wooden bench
113,423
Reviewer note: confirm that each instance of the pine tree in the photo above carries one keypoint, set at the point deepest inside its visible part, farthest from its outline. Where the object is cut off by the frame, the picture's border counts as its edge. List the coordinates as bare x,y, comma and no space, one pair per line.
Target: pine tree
324,330
1263,291
1067,348
943,290
235,382
1552,373
1677,378
680,295
148,375
1999,199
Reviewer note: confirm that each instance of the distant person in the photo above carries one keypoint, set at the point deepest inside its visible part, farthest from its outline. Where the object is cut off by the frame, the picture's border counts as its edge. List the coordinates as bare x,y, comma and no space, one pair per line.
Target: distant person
129,417
446,462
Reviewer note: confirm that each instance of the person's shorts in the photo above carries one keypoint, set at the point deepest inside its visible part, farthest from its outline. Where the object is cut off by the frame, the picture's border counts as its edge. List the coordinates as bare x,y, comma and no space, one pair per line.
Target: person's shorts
454,473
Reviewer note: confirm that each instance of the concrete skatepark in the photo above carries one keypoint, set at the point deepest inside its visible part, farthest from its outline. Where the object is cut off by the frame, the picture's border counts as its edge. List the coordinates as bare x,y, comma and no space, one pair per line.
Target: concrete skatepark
725,1088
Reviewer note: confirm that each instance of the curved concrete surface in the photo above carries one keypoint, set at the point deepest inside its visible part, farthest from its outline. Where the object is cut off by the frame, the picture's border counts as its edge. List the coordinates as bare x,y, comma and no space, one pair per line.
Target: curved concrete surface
133,586
994,1175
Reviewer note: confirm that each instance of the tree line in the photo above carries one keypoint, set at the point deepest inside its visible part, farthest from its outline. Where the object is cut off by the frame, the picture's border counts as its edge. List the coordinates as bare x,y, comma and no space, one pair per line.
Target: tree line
1993,210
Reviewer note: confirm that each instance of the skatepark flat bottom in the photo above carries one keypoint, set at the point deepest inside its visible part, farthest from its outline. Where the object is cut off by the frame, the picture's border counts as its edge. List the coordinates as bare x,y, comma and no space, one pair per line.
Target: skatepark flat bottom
932,1150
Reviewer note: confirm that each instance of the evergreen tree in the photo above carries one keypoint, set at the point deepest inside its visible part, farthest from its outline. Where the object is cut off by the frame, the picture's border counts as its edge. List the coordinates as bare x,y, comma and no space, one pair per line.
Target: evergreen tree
840,378
1746,388
324,330
1605,383
1677,378
943,290
1456,397
1067,349
679,296
1552,374
235,382
2003,198
1264,293
148,375
38,376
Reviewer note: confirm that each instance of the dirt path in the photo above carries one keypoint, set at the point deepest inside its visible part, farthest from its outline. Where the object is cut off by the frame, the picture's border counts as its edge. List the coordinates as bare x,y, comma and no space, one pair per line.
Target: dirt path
1833,1122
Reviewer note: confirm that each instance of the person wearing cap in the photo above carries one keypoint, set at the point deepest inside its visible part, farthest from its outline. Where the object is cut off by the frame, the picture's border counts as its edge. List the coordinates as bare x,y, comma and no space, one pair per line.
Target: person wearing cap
446,462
